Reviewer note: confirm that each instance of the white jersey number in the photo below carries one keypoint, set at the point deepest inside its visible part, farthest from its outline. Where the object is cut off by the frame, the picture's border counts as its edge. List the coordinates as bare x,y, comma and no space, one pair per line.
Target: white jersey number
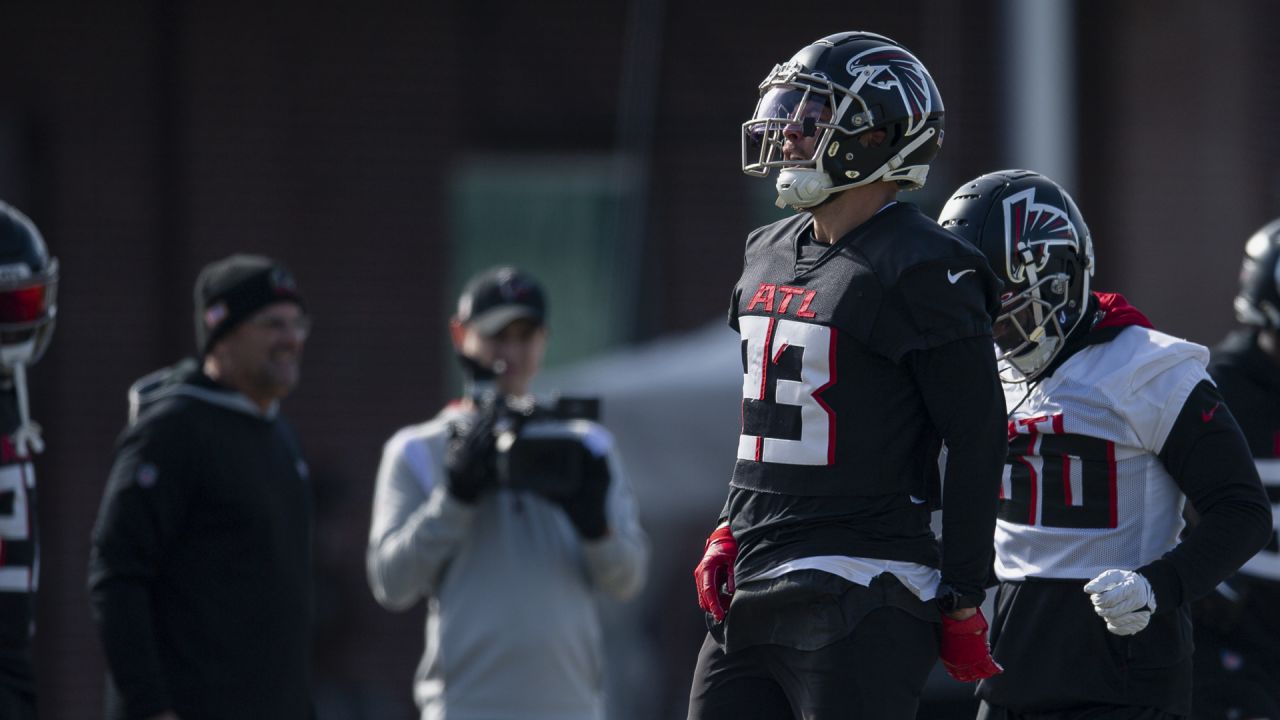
16,481
787,366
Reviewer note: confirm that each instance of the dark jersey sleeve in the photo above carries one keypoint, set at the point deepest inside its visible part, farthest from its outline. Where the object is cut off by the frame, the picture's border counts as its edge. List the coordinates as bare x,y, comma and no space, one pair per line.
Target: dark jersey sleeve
732,316
1207,456
142,508
735,298
962,394
934,303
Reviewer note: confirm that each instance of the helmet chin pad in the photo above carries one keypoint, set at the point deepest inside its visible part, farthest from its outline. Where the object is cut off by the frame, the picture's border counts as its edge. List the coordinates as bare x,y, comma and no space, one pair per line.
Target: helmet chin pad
802,187
1033,361
18,352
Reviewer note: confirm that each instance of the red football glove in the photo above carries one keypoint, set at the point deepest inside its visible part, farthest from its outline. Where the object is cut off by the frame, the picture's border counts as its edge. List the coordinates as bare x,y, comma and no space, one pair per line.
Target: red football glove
964,649
714,575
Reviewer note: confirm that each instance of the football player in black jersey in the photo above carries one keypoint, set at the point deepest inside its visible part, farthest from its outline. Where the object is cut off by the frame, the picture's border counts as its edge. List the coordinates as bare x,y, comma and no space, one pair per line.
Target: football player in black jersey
28,285
1237,660
866,344
1113,427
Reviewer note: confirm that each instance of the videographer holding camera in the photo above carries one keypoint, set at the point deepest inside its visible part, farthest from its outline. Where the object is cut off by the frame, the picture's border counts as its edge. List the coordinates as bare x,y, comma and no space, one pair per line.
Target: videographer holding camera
506,516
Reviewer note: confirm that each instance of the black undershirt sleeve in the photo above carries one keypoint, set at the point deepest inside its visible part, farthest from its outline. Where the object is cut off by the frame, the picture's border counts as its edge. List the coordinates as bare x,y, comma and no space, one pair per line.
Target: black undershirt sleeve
1207,456
962,394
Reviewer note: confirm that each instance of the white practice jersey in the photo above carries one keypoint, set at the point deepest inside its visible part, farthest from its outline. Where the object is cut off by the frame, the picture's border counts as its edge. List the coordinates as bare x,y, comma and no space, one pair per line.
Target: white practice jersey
1083,490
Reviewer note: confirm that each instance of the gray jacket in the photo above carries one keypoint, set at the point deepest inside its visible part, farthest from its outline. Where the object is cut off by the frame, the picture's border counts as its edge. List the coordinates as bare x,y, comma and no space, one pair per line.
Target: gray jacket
512,629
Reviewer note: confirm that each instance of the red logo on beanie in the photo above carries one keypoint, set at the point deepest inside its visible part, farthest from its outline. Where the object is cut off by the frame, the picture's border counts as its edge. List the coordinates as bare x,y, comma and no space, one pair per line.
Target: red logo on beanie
282,282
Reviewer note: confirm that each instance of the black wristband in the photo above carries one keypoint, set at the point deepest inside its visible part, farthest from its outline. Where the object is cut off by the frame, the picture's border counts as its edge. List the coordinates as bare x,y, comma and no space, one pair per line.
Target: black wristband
949,600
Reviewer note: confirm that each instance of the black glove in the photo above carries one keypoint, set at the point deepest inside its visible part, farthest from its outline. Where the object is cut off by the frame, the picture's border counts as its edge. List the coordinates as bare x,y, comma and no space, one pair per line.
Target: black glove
585,508
469,456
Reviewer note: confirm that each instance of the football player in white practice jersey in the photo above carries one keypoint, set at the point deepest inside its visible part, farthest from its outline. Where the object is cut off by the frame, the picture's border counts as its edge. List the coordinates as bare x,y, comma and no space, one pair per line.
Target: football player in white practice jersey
1113,426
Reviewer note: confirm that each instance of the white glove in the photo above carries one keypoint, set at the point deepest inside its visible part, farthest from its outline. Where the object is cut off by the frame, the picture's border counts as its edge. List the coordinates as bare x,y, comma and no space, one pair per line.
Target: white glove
1122,598
1129,624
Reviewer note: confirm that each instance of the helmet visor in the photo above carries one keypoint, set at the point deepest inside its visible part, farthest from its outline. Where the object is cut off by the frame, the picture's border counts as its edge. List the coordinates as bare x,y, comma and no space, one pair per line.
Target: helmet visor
28,304
794,105
787,128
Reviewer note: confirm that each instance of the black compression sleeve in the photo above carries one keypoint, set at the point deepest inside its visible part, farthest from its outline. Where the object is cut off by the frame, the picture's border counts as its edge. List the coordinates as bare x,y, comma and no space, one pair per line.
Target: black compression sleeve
966,404
1207,456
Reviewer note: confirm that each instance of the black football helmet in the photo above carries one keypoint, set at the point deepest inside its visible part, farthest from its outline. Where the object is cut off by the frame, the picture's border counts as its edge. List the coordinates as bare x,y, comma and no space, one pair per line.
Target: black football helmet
1258,302
1036,241
835,89
28,290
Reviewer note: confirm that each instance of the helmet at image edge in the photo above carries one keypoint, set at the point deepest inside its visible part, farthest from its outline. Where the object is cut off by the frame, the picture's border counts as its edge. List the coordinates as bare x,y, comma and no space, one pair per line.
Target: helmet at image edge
28,289
1258,302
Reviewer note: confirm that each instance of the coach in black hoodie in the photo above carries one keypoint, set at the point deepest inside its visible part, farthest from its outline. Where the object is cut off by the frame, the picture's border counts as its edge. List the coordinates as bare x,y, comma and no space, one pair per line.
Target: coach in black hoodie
200,571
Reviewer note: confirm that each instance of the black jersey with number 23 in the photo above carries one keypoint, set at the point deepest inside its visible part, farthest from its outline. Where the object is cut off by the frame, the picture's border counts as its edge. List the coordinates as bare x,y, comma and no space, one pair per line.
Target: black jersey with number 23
827,408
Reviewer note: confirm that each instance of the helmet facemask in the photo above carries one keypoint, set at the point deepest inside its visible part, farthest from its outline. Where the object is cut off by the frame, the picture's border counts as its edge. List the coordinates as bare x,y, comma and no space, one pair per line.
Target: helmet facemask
1036,240
796,103
28,309
833,91
793,102
1033,324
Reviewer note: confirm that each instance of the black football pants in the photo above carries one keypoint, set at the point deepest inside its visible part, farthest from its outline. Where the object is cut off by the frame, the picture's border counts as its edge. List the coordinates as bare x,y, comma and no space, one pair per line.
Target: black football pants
877,672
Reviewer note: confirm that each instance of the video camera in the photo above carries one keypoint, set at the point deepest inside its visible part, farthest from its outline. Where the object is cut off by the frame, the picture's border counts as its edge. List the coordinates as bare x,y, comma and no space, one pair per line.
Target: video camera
543,448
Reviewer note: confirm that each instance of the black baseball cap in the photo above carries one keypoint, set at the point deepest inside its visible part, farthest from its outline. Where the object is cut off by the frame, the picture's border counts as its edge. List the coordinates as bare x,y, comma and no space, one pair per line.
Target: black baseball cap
499,296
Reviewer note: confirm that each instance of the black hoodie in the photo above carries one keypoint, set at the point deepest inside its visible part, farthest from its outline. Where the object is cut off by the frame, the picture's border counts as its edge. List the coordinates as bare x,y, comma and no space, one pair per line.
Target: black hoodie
200,569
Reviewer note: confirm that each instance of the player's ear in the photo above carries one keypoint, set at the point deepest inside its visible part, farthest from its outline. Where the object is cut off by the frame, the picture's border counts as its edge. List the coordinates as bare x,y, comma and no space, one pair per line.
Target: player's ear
457,332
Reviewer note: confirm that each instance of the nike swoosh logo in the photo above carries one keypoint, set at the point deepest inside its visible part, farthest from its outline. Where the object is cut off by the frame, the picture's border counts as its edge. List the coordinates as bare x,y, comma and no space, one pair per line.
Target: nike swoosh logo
953,277
1207,415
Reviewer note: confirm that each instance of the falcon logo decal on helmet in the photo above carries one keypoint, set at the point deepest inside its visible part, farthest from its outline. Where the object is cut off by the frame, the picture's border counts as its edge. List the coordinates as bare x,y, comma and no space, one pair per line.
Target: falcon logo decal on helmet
1031,229
892,68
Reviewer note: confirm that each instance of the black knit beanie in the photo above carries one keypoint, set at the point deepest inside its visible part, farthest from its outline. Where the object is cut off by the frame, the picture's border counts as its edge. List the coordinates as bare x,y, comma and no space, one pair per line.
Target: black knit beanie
228,291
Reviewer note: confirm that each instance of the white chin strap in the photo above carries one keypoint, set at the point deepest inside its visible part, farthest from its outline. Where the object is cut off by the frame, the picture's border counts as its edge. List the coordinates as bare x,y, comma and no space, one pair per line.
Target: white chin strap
805,187
802,187
26,439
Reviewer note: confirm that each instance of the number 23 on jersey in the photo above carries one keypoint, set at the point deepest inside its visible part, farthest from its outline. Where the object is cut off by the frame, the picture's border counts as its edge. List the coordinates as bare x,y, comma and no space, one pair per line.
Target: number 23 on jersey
787,365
